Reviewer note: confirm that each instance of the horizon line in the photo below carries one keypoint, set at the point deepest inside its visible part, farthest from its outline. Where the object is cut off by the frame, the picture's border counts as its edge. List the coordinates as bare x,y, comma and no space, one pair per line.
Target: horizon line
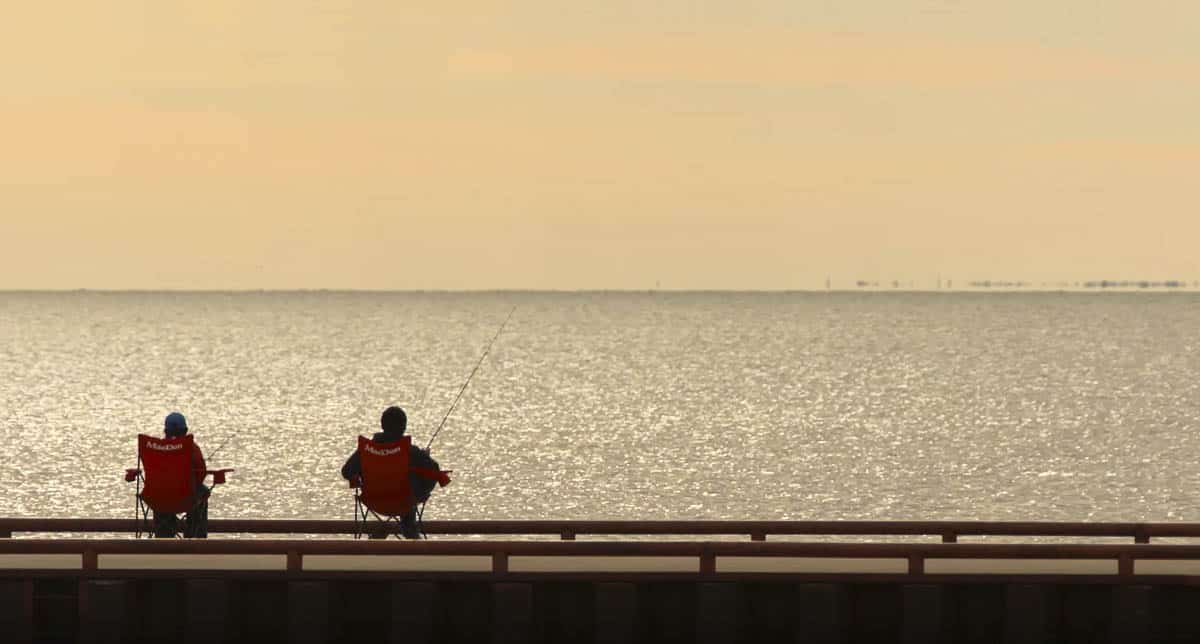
479,291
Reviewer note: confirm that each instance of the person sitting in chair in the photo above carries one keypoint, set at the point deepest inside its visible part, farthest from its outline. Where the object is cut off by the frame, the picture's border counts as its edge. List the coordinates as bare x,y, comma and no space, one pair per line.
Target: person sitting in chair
195,521
394,422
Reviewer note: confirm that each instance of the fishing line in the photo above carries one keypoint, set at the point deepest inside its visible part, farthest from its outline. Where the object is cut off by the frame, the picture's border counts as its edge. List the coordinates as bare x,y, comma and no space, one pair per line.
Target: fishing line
213,453
486,350
473,372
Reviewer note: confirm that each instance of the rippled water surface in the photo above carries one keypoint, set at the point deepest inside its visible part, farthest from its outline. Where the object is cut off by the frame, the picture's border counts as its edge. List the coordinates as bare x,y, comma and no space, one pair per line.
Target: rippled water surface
732,406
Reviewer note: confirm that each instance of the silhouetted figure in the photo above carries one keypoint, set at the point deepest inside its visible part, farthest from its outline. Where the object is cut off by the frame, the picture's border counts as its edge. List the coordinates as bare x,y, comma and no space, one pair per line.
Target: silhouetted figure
195,521
394,422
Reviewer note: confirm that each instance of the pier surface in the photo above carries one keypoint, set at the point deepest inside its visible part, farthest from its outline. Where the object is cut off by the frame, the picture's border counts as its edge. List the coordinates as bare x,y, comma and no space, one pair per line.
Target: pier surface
712,581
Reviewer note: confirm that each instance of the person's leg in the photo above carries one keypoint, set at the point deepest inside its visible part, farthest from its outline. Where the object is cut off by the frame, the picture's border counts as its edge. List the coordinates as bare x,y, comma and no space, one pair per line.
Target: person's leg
408,525
196,521
165,525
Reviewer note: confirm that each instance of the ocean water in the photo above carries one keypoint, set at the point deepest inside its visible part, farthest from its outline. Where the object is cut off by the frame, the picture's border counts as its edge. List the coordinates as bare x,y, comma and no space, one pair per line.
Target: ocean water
621,405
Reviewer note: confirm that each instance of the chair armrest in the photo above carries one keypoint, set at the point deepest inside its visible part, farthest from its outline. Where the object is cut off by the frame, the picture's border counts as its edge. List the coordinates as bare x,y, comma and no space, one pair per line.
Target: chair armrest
441,476
131,474
219,475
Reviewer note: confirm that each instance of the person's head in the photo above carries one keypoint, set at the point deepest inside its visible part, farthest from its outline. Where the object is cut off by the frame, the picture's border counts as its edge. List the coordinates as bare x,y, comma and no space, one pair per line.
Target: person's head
175,425
394,421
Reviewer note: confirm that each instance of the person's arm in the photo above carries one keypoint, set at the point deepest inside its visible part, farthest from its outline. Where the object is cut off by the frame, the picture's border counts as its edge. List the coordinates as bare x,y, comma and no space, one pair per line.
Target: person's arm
426,472
352,468
199,467
421,458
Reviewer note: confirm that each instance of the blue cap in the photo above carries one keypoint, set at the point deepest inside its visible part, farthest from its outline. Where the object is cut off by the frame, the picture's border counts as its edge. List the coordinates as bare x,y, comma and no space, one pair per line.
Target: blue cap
175,424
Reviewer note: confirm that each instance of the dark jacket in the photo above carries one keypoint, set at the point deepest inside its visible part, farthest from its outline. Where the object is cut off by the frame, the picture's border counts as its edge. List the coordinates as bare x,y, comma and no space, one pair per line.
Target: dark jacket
417,457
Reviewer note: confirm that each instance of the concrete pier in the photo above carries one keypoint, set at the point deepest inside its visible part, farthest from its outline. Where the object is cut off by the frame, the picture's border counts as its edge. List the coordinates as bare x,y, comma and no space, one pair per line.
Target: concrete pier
251,610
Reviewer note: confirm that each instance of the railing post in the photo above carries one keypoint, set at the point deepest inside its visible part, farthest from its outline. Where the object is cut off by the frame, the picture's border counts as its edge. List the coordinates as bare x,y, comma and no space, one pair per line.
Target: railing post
758,535
568,535
949,537
83,594
295,561
708,562
90,561
499,563
916,564
1125,565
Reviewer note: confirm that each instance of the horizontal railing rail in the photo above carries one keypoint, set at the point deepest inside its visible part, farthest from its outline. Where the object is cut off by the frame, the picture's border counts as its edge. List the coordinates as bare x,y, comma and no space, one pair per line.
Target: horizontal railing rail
706,555
597,548
948,531
593,548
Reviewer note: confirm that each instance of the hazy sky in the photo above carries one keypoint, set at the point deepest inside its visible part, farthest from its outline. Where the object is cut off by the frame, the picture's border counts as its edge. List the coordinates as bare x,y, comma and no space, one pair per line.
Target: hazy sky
550,144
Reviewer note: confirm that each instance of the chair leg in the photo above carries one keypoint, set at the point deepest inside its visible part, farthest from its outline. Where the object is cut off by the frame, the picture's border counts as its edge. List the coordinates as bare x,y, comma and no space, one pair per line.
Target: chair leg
360,518
140,523
403,526
398,526
378,527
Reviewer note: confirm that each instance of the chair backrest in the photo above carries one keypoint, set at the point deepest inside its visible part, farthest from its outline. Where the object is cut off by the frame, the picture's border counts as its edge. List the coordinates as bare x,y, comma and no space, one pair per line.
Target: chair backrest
169,480
385,485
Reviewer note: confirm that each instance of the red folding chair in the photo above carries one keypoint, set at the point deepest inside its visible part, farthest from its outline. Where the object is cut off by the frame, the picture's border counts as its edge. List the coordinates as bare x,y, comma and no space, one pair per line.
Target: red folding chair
165,481
383,489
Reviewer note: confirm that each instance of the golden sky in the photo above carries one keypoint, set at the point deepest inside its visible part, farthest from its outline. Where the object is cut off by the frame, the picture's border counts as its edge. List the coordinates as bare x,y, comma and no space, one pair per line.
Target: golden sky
759,144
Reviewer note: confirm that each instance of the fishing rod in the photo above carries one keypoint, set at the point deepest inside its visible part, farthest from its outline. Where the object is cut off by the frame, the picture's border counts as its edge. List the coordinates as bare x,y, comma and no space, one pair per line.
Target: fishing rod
479,364
222,445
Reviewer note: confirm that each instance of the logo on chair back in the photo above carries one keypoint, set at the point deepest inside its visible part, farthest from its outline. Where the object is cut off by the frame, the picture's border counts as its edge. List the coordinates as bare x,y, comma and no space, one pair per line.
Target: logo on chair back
383,452
164,447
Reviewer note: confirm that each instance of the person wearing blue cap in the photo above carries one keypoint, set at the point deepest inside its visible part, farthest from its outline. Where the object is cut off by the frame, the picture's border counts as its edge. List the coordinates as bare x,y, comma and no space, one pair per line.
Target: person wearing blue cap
196,521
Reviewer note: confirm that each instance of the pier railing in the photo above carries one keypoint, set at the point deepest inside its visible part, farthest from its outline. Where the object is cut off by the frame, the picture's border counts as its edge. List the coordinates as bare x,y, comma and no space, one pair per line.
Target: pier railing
947,531
1119,563
705,588
700,589
568,530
